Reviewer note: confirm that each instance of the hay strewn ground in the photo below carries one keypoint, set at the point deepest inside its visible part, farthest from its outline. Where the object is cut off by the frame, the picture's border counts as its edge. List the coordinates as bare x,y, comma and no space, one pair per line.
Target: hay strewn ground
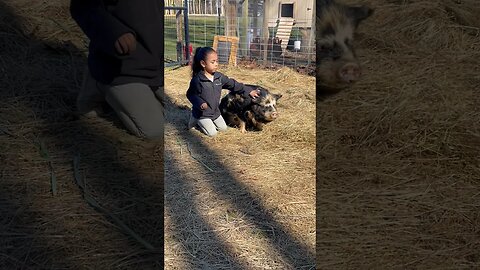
398,163
255,209
242,201
41,65
398,153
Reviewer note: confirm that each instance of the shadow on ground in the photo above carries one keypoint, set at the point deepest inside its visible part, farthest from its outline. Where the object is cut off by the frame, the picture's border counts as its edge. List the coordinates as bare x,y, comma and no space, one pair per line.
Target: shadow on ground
46,221
227,187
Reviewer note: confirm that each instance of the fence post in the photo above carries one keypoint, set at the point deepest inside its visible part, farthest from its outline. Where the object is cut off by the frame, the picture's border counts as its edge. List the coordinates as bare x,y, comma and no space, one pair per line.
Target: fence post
312,37
231,18
179,22
244,32
219,12
187,39
265,33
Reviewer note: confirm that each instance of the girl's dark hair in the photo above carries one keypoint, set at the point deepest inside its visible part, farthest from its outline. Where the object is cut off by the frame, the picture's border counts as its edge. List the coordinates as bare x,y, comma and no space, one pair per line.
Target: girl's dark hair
200,54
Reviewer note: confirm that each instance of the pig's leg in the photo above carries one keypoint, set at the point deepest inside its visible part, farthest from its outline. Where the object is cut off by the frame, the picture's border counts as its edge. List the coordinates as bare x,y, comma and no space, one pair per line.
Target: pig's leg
242,127
251,120
258,125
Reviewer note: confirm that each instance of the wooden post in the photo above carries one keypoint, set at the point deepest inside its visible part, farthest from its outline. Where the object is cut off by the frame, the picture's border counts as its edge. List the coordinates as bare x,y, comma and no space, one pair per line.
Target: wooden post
178,19
231,18
244,34
255,17
265,33
187,38
312,37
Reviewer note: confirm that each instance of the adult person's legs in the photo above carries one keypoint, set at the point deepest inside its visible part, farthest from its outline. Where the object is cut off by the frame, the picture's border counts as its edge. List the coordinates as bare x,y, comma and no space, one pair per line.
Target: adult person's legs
138,106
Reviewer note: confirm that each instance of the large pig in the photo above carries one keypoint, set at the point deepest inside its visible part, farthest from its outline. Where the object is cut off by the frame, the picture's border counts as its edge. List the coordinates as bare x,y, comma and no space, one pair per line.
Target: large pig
248,113
337,65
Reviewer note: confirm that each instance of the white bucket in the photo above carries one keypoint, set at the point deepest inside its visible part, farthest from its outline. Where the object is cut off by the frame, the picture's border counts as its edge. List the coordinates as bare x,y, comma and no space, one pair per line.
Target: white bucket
296,45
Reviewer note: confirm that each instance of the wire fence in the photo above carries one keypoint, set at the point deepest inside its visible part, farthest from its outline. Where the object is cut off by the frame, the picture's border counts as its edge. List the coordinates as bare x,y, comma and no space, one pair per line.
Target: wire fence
290,45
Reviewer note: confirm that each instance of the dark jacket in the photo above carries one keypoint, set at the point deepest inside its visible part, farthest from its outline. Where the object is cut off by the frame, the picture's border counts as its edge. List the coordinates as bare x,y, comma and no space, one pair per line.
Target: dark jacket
104,21
203,90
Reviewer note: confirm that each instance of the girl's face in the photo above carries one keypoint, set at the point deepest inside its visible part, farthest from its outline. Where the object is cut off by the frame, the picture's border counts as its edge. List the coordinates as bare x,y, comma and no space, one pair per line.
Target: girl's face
210,64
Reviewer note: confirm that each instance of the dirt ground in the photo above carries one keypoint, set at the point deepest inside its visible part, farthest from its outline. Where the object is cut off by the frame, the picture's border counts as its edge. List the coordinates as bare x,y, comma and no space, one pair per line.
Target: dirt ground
242,201
398,166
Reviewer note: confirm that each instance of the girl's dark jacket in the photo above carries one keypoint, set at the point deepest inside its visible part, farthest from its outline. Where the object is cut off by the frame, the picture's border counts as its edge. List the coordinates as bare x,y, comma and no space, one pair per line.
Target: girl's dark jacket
104,21
203,90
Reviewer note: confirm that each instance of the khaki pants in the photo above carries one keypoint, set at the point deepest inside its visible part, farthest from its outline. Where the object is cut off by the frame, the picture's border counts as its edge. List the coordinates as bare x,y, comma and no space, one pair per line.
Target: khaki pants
138,106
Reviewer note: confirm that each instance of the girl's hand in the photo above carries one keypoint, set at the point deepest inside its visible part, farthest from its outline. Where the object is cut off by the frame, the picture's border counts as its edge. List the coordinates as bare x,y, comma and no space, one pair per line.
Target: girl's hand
255,93
204,106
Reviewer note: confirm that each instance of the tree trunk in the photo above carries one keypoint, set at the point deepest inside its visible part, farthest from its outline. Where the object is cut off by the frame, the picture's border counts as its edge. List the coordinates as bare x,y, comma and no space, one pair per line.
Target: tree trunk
265,32
312,37
231,18
256,27
179,21
244,29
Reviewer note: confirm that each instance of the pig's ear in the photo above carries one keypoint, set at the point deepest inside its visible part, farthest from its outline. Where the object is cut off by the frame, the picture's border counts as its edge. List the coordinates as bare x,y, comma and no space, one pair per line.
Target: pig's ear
256,100
277,96
358,14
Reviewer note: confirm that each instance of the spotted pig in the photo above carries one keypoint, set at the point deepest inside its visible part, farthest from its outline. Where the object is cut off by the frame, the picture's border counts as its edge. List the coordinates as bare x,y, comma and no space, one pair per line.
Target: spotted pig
337,66
248,113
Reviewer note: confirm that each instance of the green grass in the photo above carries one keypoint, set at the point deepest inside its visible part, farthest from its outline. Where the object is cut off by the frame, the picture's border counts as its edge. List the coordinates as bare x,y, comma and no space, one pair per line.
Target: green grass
202,29
201,32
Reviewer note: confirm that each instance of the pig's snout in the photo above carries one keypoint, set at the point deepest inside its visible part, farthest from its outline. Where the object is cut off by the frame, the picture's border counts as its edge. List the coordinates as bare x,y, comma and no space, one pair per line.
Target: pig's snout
350,72
274,115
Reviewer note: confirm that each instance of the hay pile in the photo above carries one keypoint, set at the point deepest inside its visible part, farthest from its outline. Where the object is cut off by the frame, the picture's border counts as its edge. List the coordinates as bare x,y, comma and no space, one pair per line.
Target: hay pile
398,154
46,222
83,194
242,200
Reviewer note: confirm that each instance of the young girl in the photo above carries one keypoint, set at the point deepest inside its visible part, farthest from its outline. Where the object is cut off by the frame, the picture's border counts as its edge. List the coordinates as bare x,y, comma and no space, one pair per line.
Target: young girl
205,91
